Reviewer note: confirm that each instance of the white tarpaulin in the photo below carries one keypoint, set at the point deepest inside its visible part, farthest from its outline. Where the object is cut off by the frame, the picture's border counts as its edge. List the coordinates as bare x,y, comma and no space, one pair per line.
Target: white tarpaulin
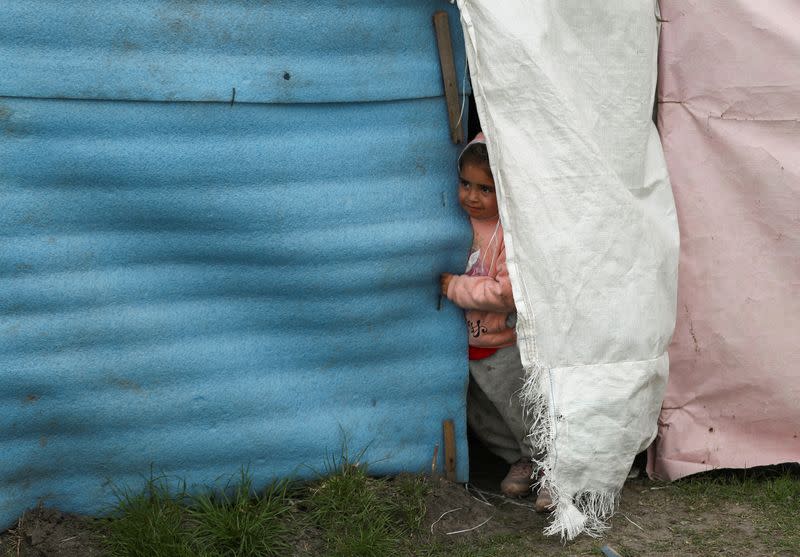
564,91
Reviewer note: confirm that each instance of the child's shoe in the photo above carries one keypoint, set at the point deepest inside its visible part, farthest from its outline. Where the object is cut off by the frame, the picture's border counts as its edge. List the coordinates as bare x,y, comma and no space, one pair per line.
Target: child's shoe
517,482
544,501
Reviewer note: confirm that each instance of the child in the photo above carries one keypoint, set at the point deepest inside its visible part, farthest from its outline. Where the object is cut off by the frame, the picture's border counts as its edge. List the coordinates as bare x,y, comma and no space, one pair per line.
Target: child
494,410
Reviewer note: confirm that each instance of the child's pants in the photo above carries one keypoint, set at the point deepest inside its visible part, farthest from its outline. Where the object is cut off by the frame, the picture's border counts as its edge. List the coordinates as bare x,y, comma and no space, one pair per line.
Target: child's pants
494,409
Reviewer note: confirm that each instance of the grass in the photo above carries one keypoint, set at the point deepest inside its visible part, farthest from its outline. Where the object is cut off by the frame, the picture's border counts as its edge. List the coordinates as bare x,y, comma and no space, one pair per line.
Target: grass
352,514
243,524
362,516
345,512
150,522
773,493
234,521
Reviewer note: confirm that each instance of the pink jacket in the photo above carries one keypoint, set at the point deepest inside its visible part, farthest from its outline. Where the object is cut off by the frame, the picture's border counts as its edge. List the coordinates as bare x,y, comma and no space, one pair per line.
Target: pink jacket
484,290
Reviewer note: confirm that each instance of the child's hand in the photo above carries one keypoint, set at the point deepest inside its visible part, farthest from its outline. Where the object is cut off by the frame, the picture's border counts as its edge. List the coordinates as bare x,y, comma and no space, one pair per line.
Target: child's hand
445,282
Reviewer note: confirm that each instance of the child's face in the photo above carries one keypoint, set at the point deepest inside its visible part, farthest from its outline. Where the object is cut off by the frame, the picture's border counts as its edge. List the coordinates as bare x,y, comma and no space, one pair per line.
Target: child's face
476,192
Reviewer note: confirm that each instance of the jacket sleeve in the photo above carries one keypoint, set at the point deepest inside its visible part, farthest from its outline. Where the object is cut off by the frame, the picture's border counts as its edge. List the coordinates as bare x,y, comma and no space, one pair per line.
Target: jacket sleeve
483,293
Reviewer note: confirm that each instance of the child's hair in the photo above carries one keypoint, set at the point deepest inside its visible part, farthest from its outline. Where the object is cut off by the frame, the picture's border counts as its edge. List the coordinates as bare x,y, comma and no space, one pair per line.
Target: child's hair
477,155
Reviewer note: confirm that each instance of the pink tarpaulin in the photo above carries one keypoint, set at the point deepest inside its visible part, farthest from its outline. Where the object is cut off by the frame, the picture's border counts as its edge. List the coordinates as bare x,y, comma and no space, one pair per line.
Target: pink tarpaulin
729,105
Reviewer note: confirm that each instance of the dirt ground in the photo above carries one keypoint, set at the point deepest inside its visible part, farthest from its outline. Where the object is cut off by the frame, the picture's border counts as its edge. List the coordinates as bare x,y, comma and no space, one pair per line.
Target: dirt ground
47,532
654,519
651,521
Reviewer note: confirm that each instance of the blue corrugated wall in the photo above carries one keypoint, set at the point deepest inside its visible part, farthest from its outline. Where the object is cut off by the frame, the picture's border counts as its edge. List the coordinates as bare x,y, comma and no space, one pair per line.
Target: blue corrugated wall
192,279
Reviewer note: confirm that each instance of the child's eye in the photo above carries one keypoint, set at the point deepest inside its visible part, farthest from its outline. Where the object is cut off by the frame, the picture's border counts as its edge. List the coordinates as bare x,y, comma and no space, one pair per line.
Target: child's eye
486,190
464,184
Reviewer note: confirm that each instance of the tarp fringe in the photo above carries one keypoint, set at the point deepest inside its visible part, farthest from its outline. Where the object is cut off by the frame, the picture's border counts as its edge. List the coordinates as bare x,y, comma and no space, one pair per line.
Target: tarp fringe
585,512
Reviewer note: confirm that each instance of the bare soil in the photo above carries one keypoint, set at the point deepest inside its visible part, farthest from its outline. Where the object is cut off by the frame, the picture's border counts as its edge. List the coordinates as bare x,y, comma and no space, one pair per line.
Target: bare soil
654,519
44,532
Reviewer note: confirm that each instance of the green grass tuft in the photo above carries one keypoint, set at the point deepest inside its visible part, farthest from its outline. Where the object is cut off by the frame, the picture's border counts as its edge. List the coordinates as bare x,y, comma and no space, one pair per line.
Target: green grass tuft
350,514
233,522
354,517
361,516
149,523
411,493
242,524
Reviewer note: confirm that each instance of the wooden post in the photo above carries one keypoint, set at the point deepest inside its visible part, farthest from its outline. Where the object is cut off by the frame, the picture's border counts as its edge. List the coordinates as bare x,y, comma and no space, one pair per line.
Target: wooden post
449,431
442,25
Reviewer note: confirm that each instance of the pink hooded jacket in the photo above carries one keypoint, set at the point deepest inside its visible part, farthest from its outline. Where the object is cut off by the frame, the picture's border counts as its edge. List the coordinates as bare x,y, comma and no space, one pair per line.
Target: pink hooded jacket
484,290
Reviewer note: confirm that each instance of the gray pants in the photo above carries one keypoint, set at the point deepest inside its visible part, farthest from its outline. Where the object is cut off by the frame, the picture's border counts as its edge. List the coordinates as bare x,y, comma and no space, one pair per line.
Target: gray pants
494,409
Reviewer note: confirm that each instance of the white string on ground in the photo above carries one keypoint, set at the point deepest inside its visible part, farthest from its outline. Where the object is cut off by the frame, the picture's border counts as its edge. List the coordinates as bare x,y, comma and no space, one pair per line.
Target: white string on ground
504,499
631,521
470,529
481,500
445,513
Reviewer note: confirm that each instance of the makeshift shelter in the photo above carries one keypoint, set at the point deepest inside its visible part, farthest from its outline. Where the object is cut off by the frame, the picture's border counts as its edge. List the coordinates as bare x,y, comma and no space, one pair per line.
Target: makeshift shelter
565,95
729,104
564,89
222,230
223,227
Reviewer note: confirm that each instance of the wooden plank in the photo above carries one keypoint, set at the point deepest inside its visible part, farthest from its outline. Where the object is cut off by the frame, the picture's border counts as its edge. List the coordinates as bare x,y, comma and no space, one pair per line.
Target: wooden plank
449,432
442,25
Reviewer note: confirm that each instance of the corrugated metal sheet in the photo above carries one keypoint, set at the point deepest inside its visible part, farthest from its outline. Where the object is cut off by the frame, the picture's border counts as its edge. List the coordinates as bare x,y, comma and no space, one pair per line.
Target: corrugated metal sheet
279,51
197,286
